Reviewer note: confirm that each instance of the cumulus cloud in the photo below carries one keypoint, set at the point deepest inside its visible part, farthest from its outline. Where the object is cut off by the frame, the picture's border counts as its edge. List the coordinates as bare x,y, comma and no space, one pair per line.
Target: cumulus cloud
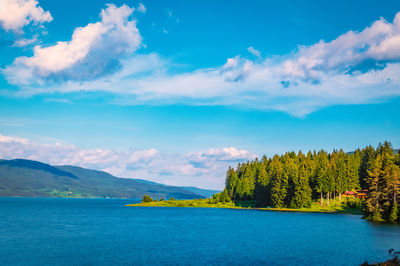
355,68
378,43
93,51
15,14
204,169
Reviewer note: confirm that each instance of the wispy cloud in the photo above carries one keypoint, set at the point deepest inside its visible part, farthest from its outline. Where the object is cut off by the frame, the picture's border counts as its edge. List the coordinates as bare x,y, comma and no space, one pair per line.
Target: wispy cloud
171,20
254,51
24,42
355,68
204,169
141,8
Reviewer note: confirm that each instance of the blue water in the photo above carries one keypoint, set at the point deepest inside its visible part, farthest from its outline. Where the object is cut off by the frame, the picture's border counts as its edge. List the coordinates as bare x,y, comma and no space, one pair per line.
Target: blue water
44,231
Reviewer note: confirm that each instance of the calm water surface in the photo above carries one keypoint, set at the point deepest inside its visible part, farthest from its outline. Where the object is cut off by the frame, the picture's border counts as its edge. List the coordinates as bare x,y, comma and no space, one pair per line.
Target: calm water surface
44,231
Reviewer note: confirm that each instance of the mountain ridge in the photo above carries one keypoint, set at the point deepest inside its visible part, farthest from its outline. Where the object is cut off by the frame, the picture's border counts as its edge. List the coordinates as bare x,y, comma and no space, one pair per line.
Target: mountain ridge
21,177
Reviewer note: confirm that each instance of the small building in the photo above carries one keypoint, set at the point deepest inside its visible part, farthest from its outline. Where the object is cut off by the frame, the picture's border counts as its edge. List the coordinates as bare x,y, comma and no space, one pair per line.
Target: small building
348,194
360,194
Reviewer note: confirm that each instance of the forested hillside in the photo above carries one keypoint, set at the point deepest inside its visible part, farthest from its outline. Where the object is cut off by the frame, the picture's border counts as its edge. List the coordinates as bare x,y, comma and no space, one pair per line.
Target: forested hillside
295,180
26,178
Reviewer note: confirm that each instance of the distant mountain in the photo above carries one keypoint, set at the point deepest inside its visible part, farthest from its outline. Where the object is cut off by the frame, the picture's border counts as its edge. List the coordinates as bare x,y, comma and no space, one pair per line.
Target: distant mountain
200,191
26,178
205,192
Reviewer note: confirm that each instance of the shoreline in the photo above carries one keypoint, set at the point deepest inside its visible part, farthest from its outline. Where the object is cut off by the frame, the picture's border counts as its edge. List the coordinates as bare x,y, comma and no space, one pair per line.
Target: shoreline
352,211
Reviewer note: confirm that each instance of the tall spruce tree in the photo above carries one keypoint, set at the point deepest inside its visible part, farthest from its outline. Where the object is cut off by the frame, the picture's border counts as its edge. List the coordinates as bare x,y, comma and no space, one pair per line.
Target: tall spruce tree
367,159
231,181
373,207
341,177
261,188
278,192
321,173
302,191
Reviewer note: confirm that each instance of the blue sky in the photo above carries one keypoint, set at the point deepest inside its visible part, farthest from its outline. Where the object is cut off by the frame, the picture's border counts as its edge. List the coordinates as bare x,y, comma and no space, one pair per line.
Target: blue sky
176,91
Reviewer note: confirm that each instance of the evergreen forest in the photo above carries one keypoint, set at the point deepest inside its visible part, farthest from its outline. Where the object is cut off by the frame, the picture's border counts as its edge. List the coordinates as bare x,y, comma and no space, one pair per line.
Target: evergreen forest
295,180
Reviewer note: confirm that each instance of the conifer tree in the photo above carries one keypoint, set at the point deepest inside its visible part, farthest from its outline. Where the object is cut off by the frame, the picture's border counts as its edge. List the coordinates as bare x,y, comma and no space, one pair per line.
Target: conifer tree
394,213
278,194
367,159
302,191
321,173
340,174
374,210
290,166
261,187
231,181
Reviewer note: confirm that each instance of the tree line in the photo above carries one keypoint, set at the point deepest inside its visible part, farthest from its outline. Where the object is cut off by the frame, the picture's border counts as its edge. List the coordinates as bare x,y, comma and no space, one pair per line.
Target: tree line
295,180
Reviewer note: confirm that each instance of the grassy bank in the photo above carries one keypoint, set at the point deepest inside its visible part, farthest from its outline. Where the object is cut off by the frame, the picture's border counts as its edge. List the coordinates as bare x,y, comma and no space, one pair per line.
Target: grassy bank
333,207
196,203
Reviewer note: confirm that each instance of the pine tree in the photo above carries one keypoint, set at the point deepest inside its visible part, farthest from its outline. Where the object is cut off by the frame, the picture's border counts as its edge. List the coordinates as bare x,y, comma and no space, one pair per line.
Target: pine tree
353,165
321,173
278,194
397,158
389,179
261,188
341,178
246,182
367,158
223,196
373,207
291,171
394,212
231,181
302,191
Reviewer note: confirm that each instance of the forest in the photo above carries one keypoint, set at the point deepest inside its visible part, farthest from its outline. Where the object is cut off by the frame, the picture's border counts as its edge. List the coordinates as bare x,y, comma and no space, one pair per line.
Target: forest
295,180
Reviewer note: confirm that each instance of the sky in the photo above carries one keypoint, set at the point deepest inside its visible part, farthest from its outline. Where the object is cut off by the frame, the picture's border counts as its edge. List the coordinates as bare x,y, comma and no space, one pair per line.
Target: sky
177,91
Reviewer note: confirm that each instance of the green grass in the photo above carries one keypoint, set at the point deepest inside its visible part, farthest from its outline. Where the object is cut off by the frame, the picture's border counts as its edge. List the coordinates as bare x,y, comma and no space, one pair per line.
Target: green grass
334,207
196,203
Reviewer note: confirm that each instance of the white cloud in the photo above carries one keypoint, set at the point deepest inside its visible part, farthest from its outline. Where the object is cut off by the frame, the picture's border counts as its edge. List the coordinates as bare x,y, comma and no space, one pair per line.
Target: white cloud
228,154
203,169
355,68
141,8
15,14
8,139
24,42
379,42
94,50
254,51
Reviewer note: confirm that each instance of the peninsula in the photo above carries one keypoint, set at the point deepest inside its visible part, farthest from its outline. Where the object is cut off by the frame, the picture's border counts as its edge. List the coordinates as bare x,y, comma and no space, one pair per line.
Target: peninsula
362,182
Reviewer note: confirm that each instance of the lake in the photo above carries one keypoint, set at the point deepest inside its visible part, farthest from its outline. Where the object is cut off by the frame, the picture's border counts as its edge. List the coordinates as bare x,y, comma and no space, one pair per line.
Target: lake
55,231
